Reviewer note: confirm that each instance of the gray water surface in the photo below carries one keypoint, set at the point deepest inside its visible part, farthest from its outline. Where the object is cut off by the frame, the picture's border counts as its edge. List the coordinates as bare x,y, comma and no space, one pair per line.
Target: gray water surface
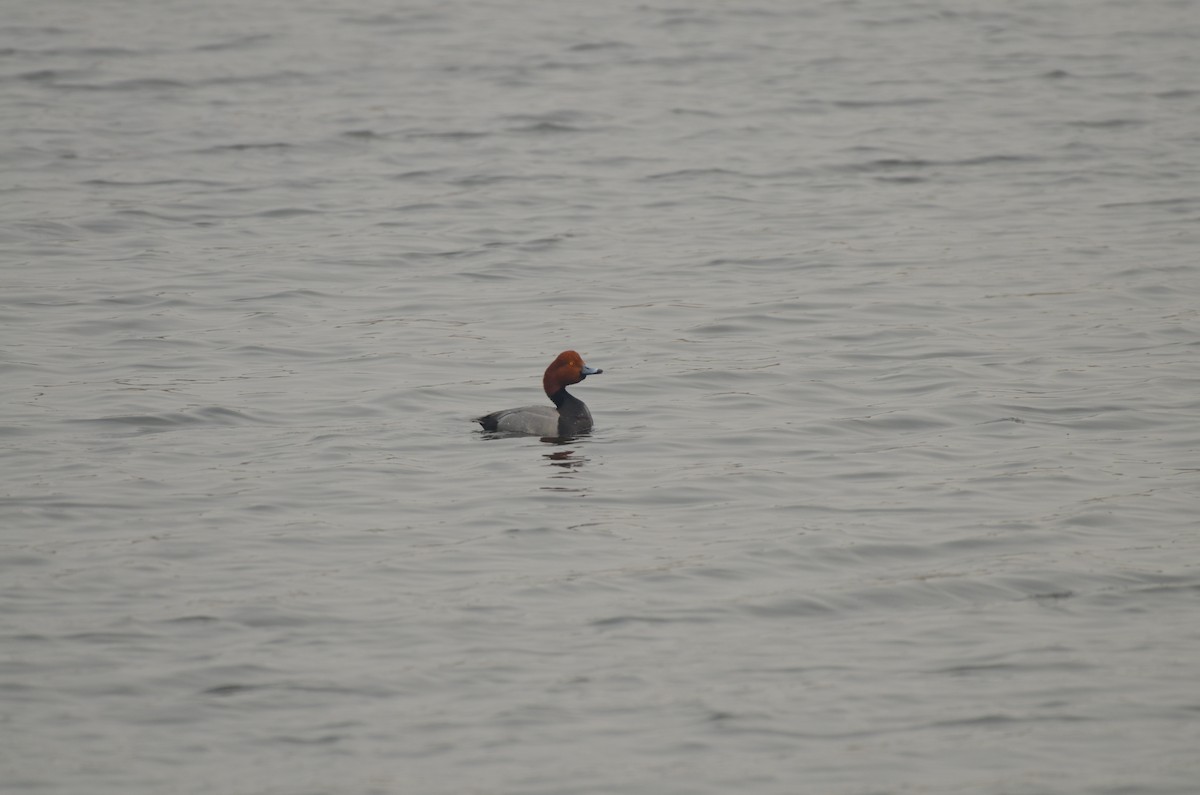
896,467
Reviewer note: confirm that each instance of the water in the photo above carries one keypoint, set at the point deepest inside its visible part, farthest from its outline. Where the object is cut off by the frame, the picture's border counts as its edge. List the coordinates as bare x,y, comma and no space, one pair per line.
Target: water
895,475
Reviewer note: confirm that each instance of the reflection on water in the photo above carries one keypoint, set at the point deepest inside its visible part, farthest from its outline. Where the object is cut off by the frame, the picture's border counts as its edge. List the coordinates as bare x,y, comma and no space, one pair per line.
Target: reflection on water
566,463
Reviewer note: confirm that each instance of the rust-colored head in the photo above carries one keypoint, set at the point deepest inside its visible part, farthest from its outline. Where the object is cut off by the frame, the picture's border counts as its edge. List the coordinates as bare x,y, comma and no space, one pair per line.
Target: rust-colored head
567,369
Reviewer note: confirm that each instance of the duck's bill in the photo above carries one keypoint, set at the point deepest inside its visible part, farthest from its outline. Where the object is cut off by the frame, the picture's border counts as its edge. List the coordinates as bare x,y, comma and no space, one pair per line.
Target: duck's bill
586,371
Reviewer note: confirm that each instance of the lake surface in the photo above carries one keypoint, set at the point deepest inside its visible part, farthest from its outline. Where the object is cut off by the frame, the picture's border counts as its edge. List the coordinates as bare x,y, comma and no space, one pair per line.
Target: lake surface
896,470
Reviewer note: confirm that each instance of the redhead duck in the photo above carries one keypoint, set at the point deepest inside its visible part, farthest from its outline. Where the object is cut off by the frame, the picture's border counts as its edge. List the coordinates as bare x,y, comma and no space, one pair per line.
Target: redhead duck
568,417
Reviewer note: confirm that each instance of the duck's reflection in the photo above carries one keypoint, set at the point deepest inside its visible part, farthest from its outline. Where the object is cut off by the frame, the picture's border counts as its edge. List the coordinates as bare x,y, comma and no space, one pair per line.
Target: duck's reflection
566,463
567,459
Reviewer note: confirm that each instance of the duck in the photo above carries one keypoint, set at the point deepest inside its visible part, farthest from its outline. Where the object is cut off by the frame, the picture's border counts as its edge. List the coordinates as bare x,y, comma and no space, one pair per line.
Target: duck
569,416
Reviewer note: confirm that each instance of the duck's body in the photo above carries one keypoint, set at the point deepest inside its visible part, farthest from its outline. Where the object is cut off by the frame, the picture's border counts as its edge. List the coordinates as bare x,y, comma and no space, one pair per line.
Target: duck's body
569,416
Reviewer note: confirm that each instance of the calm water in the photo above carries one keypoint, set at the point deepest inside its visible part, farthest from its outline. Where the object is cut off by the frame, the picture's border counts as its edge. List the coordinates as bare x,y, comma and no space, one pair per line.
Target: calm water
896,470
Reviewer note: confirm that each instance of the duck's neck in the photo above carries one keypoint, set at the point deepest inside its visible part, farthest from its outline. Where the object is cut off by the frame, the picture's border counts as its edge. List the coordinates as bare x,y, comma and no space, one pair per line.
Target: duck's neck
562,396
573,414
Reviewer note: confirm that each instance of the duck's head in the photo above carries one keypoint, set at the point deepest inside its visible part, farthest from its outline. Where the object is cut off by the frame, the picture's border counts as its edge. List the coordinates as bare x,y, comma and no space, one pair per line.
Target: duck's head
567,369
